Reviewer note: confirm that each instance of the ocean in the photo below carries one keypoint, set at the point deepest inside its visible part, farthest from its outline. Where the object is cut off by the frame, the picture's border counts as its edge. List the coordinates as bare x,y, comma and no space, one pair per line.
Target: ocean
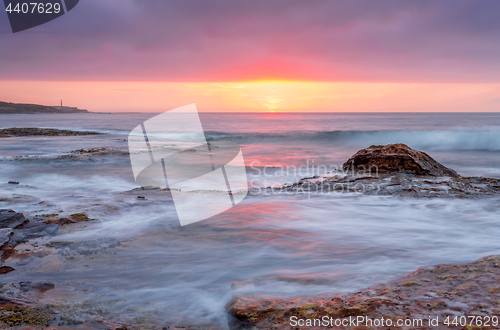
135,262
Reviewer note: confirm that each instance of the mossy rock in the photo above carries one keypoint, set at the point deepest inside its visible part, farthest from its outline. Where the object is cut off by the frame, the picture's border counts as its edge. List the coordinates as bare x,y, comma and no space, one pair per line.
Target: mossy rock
51,215
15,315
80,217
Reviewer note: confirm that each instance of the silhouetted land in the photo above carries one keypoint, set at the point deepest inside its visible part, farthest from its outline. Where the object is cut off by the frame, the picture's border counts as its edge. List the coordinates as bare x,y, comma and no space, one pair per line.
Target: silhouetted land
21,108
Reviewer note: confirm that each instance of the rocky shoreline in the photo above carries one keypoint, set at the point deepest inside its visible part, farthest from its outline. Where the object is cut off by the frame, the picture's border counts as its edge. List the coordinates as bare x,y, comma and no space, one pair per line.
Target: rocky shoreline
436,292
18,299
20,306
16,229
23,108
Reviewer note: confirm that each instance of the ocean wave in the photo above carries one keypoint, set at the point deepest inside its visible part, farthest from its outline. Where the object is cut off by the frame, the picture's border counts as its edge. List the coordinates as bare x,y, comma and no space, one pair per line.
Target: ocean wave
480,140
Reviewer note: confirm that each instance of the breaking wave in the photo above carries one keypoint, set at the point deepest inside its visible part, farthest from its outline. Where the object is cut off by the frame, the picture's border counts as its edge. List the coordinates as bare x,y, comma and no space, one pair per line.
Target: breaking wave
480,140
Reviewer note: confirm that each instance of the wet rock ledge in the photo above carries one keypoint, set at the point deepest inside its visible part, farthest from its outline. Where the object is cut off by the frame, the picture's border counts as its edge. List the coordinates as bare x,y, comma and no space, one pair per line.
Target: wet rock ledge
18,299
398,170
16,229
33,131
440,291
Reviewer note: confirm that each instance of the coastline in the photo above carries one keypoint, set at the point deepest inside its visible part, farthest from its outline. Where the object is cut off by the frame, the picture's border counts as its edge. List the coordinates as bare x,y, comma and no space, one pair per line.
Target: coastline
25,108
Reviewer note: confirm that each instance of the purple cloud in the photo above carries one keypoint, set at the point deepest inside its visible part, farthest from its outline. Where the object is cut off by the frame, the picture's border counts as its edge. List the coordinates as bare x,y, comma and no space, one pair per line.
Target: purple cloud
418,41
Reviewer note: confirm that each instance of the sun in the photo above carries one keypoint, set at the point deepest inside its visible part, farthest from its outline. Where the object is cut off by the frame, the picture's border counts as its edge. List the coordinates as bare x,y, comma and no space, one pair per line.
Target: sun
272,104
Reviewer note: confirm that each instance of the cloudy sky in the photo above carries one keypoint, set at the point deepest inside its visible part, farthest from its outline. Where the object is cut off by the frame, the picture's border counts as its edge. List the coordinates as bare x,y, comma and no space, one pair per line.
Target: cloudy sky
274,55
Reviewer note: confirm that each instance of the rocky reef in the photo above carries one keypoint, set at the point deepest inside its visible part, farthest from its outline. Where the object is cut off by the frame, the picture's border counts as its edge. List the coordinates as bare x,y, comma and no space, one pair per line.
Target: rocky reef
16,229
20,306
34,131
397,170
18,300
404,185
76,155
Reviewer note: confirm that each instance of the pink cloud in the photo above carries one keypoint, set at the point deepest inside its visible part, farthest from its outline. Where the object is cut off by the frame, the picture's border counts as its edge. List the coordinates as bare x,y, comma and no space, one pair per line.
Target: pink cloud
131,40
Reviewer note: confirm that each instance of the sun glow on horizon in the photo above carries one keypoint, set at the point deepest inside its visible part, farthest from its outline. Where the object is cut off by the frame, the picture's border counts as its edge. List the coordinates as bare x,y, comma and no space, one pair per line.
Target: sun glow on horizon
256,96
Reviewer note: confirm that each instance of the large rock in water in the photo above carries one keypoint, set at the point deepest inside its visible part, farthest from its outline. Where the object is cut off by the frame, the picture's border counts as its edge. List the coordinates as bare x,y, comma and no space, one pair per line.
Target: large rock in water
395,158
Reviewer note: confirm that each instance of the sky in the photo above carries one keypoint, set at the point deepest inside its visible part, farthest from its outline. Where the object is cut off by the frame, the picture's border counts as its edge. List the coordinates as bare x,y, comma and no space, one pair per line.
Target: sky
274,55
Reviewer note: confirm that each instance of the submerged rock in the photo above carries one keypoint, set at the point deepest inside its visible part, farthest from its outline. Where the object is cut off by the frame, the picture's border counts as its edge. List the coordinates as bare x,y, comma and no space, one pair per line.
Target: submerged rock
38,286
441,291
395,158
86,154
100,151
